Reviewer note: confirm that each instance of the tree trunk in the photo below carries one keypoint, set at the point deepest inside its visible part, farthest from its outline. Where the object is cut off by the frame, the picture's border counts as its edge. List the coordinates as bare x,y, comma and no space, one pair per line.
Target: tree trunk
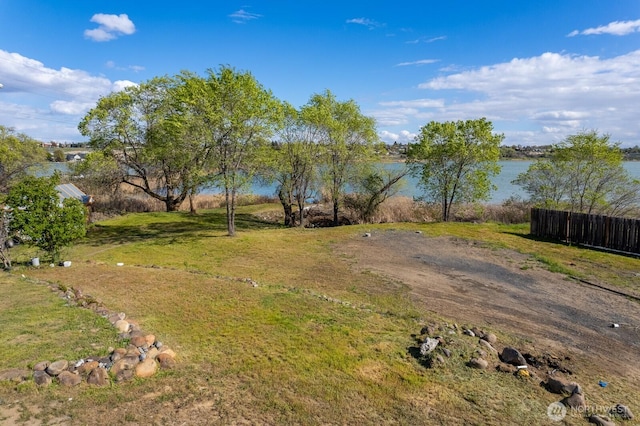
230,197
192,207
336,219
289,218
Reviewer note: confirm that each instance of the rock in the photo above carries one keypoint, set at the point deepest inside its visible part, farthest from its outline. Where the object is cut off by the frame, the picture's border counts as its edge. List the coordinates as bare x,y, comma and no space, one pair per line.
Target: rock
429,330
57,367
486,345
122,326
42,378
440,359
512,356
478,363
146,368
446,352
118,354
69,379
575,401
88,367
481,353
600,421
133,351
506,368
426,348
166,361
621,411
41,366
490,337
151,339
477,332
139,341
153,352
98,377
124,375
469,332
562,387
126,363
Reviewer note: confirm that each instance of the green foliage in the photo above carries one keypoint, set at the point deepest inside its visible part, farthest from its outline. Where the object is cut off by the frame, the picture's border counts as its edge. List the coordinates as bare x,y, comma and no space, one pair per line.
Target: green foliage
373,189
58,155
18,152
348,139
38,215
455,161
583,173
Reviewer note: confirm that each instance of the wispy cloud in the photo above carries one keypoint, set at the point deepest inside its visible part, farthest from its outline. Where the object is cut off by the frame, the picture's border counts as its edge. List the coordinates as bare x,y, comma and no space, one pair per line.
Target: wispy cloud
426,40
242,16
134,68
369,23
419,62
618,28
110,27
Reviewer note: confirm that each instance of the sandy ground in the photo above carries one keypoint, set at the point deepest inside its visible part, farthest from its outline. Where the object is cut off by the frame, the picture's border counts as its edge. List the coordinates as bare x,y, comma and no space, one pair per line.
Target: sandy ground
509,292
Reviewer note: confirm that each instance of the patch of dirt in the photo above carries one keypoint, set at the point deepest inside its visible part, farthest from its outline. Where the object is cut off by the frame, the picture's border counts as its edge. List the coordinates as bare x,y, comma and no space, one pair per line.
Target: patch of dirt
509,292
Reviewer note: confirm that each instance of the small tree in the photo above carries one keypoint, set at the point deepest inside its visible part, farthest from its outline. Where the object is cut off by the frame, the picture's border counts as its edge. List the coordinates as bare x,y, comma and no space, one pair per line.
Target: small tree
584,173
455,161
38,214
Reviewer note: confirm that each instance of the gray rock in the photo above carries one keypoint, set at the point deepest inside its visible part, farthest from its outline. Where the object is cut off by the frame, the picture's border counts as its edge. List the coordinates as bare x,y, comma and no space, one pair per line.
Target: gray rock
98,377
69,379
490,337
486,345
428,346
600,421
469,332
57,367
621,411
575,401
41,366
42,378
561,386
124,375
446,352
512,356
478,363
440,359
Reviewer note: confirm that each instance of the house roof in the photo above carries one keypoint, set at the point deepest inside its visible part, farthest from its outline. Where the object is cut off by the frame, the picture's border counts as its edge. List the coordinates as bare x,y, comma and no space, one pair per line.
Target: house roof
69,190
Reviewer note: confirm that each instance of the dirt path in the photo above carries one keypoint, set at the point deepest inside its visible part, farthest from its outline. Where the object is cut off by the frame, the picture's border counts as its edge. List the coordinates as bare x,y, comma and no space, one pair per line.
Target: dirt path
507,291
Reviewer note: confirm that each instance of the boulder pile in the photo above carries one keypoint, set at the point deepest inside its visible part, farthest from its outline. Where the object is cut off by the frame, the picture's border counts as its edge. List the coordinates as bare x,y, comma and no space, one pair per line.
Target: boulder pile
142,357
431,350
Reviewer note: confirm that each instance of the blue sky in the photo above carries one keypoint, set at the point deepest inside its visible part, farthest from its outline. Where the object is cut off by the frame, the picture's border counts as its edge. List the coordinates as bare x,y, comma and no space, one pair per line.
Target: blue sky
539,70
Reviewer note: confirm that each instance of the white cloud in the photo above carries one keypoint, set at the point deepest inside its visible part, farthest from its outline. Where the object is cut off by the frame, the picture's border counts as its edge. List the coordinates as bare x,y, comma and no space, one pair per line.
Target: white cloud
402,137
369,23
618,28
48,103
550,91
110,27
426,40
419,62
242,16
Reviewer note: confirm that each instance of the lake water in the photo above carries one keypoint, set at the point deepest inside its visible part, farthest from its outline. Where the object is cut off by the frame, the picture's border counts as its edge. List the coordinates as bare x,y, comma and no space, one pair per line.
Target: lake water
510,170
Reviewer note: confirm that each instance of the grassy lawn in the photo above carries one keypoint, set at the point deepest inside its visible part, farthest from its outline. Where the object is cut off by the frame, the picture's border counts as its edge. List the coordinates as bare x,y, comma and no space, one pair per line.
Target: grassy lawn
313,343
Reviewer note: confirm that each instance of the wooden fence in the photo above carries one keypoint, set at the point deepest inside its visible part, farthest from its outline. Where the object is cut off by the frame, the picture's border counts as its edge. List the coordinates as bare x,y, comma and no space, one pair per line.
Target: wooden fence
612,233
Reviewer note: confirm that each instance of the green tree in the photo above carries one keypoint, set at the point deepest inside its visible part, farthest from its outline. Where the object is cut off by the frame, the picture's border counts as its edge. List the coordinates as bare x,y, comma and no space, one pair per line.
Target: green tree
236,116
584,173
349,143
142,129
59,156
292,162
37,213
18,152
455,161
374,189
